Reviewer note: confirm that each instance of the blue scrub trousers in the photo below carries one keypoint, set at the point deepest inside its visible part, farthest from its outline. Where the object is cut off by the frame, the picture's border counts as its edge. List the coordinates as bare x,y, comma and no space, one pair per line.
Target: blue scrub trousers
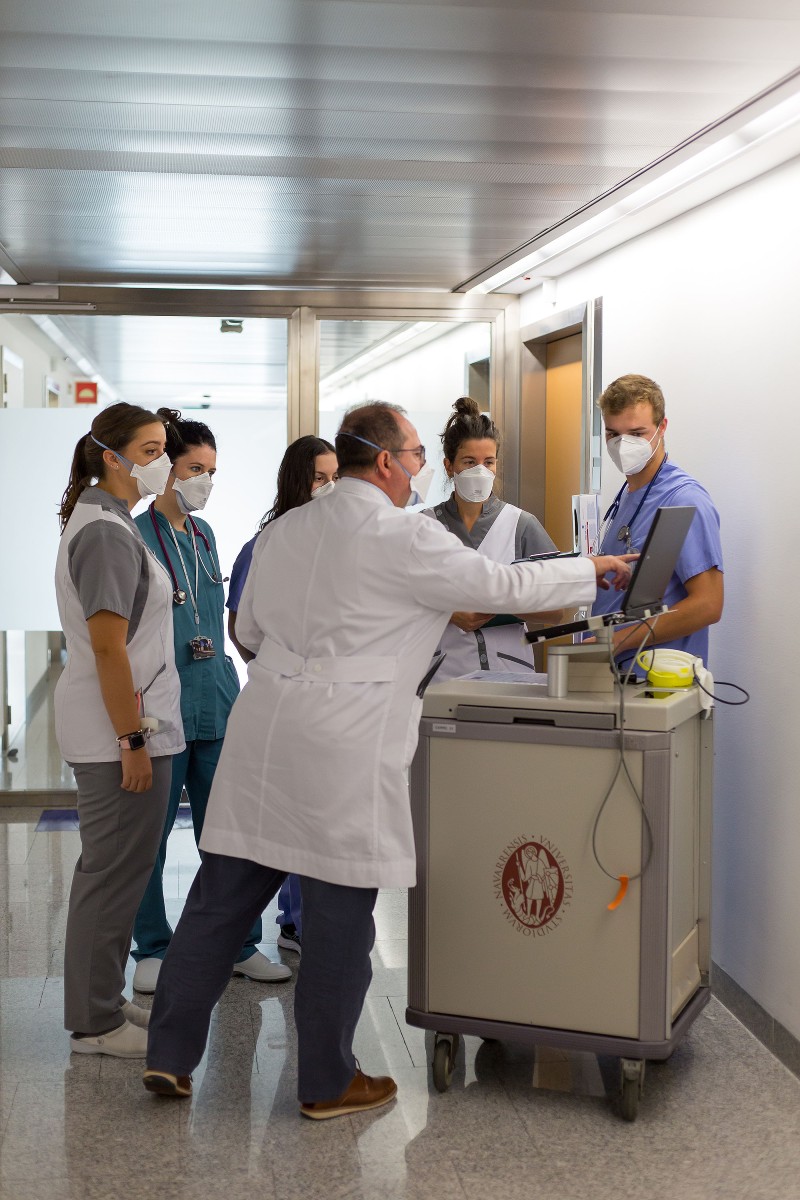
193,769
290,904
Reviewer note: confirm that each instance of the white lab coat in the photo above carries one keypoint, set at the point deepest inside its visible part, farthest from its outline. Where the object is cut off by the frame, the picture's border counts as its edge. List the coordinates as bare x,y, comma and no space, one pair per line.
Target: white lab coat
344,604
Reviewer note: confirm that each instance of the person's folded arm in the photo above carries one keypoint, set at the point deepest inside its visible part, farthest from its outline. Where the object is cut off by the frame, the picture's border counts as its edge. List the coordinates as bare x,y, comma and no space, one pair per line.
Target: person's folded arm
701,607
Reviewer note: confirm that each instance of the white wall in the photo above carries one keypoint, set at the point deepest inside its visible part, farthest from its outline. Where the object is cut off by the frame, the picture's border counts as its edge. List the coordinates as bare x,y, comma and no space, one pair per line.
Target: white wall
42,358
425,381
36,449
709,306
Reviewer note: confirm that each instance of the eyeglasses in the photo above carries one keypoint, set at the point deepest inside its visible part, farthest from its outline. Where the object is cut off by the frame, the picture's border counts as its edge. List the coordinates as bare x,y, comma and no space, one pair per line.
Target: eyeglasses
417,451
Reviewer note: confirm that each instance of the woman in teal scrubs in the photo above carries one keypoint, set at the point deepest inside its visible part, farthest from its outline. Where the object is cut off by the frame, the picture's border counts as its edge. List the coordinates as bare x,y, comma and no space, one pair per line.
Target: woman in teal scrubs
184,545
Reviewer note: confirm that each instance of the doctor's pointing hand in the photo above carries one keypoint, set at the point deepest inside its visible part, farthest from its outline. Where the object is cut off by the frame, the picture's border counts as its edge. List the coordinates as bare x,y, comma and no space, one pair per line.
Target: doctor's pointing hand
617,566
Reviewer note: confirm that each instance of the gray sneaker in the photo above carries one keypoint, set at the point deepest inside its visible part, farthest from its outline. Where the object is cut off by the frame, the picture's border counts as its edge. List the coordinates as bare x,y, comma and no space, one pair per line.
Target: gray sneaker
261,969
289,939
145,977
129,1041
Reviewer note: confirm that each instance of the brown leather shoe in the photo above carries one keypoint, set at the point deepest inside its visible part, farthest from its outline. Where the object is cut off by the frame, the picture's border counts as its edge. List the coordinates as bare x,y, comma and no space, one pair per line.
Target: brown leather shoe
164,1084
365,1091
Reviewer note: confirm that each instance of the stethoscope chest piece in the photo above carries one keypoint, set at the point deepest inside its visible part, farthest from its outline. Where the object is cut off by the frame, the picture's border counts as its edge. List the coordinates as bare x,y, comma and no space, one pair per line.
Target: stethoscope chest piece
179,596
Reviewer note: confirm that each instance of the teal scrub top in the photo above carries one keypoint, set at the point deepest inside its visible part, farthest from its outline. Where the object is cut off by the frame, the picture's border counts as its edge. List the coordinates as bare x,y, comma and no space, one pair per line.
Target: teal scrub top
209,686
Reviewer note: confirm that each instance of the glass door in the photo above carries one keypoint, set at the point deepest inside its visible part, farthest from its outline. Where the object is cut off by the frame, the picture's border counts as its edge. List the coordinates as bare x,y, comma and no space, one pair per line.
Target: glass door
424,366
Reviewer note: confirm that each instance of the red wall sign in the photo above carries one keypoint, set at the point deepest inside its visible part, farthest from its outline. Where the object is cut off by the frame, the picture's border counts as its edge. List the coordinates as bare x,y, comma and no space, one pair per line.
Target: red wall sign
85,392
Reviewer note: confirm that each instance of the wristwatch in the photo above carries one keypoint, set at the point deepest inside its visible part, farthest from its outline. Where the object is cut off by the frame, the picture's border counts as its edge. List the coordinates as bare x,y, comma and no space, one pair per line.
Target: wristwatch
133,741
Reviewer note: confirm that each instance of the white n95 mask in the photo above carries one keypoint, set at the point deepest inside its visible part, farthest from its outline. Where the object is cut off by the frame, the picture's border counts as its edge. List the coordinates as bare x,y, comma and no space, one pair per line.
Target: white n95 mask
629,454
475,484
151,479
421,484
324,489
192,493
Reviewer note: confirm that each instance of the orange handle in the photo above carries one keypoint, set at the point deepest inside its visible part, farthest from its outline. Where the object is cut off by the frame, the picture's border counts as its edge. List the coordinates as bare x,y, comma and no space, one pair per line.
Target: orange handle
620,896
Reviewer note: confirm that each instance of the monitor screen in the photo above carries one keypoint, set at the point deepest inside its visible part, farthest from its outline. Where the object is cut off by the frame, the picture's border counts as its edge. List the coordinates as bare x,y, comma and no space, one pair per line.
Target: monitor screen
656,563
651,574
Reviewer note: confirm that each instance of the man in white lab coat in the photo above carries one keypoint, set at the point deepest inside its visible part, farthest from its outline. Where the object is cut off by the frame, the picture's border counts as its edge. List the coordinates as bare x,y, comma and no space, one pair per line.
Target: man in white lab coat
344,605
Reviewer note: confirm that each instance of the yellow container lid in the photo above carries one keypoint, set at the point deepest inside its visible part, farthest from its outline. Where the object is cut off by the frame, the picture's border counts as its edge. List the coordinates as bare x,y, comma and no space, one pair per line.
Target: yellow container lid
667,668
670,679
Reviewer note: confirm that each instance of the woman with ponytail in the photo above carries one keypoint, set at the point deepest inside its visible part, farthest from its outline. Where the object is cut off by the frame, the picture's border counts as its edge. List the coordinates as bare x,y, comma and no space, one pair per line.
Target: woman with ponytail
500,531
117,709
184,545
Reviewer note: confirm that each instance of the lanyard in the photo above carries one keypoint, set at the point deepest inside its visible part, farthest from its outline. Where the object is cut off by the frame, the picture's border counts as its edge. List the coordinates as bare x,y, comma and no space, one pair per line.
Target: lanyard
178,594
624,534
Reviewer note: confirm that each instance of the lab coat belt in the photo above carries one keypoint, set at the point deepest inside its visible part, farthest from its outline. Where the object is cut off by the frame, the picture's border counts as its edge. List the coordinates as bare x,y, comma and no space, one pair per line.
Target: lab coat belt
351,669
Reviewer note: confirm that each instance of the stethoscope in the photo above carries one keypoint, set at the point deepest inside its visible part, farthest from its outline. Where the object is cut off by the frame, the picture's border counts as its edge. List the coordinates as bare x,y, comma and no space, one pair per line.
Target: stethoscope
178,594
624,534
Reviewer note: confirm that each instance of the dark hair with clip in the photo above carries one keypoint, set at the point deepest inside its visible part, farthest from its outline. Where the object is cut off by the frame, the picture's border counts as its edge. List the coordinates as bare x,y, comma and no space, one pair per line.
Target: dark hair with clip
296,475
181,434
115,426
466,423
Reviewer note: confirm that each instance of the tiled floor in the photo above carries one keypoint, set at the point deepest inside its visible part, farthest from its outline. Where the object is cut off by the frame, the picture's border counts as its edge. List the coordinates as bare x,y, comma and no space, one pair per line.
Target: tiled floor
720,1120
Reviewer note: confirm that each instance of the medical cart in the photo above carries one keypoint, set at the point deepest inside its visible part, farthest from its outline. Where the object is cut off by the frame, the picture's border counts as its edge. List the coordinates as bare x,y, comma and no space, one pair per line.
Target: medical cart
511,936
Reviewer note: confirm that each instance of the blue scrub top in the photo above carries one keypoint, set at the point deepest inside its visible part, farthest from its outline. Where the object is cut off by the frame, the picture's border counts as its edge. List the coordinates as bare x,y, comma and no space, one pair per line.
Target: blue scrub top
701,551
209,686
239,574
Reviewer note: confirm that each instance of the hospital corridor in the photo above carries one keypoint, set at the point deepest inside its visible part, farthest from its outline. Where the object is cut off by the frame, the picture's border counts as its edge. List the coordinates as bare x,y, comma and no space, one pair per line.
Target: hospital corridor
398,702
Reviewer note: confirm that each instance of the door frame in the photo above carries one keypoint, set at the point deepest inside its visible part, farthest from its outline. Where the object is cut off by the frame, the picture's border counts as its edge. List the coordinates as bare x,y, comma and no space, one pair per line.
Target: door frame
587,320
303,309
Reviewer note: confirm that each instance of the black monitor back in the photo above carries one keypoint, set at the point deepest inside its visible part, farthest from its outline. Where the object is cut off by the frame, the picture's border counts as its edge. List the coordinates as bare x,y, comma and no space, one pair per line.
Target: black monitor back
656,563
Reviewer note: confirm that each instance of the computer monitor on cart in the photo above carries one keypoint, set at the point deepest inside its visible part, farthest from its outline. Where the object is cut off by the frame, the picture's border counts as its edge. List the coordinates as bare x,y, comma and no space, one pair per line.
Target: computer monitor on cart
652,571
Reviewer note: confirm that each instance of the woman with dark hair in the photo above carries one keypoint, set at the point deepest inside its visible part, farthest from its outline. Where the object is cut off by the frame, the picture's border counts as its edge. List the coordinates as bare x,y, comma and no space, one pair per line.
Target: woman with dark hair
499,531
307,472
117,709
184,544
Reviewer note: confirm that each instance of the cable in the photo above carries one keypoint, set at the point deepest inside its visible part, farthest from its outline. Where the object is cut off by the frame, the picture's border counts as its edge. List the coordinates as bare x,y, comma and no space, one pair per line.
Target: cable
723,683
622,764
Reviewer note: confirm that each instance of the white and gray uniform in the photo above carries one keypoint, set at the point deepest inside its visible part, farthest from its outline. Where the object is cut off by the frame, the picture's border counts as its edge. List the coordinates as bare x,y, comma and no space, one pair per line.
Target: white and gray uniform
104,566
501,533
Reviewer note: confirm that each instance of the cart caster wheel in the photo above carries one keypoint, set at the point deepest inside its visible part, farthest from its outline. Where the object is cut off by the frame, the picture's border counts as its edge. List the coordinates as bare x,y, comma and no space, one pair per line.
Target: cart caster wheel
631,1084
444,1060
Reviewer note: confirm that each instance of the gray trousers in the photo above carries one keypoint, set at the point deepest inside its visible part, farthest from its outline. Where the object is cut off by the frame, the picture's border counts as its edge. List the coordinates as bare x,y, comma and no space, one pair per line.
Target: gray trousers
335,970
120,835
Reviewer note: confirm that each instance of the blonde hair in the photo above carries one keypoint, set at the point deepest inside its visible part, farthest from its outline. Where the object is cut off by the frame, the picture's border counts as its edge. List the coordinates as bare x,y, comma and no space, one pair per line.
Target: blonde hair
629,390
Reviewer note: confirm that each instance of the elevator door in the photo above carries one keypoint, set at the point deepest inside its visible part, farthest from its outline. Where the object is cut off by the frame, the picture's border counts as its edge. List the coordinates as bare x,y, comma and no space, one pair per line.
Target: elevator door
563,438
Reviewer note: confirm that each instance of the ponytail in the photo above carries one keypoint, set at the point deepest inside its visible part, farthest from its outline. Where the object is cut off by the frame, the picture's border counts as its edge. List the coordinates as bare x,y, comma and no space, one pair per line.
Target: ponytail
467,422
114,426
87,464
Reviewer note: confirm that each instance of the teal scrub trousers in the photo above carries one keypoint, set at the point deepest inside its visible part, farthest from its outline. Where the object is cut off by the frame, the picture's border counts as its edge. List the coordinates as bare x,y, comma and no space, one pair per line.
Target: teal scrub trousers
193,769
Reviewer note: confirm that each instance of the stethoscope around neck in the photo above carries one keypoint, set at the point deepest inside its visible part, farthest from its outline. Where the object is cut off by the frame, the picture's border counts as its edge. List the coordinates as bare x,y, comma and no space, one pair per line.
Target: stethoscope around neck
178,594
626,531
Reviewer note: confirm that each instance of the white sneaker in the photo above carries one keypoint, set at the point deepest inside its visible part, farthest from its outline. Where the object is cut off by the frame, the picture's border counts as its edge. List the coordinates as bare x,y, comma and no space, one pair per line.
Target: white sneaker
136,1015
262,969
145,977
126,1042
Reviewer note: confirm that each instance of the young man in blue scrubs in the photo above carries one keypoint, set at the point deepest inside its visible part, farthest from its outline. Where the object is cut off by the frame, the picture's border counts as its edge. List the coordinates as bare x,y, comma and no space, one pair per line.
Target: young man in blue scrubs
635,425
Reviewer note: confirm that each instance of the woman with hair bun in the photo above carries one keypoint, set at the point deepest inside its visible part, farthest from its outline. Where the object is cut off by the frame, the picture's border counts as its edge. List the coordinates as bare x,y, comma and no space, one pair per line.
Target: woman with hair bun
500,531
118,718
184,544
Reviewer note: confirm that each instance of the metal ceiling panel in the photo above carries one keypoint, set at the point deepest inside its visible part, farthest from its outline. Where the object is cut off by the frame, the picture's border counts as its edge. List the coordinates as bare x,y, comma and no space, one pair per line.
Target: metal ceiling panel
185,361
345,143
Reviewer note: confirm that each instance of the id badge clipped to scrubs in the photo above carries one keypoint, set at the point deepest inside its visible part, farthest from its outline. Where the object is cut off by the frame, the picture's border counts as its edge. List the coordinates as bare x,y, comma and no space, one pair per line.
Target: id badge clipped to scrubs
202,647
